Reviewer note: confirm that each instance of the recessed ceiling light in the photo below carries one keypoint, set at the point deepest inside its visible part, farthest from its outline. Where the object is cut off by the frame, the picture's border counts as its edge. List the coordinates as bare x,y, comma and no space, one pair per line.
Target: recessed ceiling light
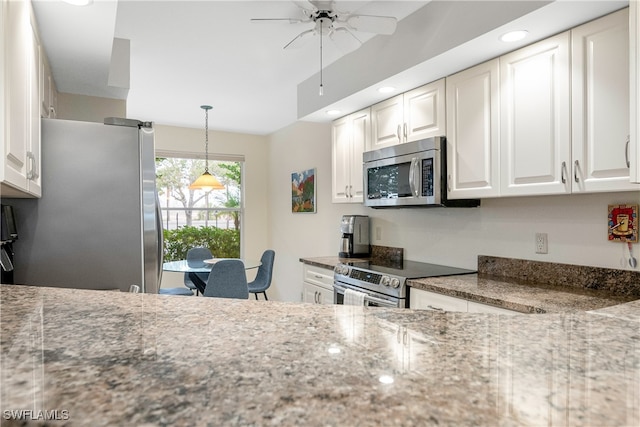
514,36
386,89
79,2
333,112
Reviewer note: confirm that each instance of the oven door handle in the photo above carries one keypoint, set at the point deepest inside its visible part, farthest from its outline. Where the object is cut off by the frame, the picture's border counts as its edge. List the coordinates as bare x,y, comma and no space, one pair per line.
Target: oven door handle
368,297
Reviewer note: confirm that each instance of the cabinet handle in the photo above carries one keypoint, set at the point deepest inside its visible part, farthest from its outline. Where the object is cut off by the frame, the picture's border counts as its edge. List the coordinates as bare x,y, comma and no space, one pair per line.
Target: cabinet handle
626,151
449,183
563,171
576,165
346,191
31,174
404,131
399,134
351,191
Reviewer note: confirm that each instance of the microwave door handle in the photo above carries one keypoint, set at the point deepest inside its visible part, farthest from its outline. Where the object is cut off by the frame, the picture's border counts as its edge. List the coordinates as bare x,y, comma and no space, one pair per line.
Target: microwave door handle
412,176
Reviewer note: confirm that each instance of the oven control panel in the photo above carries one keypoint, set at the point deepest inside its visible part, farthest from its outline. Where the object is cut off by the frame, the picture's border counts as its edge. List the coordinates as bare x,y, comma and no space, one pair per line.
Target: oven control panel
367,276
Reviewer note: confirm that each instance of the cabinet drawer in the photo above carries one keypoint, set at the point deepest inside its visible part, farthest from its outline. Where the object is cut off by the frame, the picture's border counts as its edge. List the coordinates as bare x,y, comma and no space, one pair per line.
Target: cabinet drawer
318,276
425,300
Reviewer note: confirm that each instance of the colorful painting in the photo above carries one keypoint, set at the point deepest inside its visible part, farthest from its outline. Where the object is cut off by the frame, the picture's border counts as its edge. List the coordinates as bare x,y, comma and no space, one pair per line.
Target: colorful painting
303,191
623,223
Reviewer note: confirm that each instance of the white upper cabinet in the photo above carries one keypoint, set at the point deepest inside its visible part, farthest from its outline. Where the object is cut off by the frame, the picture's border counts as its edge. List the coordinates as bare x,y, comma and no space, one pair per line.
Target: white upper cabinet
600,105
473,132
411,116
535,136
634,90
350,135
20,166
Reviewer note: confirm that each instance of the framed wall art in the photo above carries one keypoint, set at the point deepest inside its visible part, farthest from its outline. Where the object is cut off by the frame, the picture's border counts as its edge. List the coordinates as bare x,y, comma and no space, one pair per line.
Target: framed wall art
303,191
623,223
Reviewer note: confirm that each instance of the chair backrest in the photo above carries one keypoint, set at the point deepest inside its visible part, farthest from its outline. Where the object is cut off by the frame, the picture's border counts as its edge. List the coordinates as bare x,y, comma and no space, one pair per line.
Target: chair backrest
227,280
265,271
196,256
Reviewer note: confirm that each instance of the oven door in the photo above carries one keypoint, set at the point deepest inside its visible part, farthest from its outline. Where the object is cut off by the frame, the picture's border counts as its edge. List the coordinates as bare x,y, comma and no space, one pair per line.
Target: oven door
406,180
370,300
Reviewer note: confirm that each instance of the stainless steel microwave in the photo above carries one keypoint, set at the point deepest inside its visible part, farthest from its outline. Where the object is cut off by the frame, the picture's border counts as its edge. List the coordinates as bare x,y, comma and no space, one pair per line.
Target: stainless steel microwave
409,175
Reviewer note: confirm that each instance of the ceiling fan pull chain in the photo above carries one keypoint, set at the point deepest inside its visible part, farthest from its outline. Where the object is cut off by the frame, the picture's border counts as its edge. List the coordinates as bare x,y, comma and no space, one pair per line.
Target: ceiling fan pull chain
321,88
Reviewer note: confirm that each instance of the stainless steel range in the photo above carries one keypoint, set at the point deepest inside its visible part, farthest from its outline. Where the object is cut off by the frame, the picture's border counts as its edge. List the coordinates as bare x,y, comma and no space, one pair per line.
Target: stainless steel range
385,285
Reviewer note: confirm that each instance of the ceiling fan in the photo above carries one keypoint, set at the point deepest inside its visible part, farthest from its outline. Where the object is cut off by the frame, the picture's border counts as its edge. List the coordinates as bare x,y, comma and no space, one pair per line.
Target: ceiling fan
338,25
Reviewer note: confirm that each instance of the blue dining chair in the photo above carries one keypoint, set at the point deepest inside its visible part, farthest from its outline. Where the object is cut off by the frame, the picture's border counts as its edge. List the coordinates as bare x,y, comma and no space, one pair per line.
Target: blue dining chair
227,280
195,258
263,278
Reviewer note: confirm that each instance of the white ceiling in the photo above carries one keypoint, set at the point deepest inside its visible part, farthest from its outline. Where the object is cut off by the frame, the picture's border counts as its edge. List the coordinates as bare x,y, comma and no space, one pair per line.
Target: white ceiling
185,54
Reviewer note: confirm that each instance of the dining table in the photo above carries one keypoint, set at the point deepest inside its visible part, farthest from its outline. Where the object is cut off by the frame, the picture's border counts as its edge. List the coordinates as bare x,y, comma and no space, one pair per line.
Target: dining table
192,267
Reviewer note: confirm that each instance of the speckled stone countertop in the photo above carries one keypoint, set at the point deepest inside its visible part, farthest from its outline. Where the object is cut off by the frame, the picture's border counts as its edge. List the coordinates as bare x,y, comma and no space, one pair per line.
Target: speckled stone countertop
103,358
540,288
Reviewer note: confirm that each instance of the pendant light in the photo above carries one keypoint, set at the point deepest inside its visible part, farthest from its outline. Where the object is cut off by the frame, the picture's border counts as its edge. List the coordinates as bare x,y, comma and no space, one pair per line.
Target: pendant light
206,181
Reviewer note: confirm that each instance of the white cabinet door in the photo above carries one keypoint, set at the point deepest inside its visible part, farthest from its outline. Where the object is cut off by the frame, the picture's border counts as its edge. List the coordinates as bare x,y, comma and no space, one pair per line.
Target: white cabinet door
600,105
411,116
18,41
473,132
317,286
33,120
341,160
634,90
425,300
535,136
317,295
386,123
360,137
20,166
424,112
350,135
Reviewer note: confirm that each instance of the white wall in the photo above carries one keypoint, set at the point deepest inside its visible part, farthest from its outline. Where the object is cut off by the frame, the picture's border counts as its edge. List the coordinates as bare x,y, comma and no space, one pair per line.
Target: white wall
90,108
576,224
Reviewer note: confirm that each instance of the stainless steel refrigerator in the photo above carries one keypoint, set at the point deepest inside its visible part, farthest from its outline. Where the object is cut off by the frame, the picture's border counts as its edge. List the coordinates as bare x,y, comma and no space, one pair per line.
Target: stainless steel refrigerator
97,225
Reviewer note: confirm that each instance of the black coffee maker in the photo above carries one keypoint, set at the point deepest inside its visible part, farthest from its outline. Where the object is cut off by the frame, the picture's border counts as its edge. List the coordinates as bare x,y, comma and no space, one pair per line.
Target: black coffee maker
355,236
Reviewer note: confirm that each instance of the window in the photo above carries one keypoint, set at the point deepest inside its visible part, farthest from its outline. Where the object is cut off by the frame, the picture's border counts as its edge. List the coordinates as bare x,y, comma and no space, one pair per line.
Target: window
193,218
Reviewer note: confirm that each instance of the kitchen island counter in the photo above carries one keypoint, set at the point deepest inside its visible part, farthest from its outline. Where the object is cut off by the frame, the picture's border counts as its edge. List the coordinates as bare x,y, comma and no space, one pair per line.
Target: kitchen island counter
111,358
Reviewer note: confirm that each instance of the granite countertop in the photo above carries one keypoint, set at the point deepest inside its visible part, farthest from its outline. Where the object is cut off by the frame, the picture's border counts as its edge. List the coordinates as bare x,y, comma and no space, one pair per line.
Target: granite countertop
521,297
540,288
105,358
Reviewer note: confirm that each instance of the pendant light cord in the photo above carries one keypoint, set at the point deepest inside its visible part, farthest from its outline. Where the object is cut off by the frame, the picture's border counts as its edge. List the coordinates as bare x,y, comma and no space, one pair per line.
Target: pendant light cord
206,137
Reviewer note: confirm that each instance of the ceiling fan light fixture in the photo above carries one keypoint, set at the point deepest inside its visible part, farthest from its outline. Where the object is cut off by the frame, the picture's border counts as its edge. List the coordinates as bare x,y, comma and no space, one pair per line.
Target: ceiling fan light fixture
206,181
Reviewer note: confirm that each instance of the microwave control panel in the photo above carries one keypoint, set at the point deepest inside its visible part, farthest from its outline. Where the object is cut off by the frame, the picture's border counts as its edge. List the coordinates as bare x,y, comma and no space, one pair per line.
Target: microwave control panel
427,177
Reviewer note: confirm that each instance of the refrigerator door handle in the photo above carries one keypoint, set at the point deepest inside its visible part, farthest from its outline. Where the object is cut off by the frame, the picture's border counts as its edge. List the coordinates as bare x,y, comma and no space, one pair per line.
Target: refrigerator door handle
160,239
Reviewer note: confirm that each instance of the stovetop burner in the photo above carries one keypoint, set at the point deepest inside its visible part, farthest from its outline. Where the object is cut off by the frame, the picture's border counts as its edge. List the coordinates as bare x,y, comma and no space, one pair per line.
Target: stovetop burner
409,269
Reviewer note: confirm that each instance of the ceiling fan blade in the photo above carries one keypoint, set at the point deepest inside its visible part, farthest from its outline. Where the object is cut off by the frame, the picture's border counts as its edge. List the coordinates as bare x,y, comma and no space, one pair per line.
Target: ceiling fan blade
287,20
344,39
300,40
372,24
305,4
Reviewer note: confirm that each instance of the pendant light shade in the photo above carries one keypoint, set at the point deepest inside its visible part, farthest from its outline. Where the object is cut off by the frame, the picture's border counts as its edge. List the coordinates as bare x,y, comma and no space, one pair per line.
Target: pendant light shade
206,181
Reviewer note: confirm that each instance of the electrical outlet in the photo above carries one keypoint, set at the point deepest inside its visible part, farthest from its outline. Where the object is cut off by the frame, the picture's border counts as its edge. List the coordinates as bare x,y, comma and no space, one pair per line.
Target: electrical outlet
378,233
541,243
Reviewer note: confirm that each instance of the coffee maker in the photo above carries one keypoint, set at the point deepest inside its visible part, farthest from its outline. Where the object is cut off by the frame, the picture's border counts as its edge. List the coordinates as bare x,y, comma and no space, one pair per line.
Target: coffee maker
355,236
